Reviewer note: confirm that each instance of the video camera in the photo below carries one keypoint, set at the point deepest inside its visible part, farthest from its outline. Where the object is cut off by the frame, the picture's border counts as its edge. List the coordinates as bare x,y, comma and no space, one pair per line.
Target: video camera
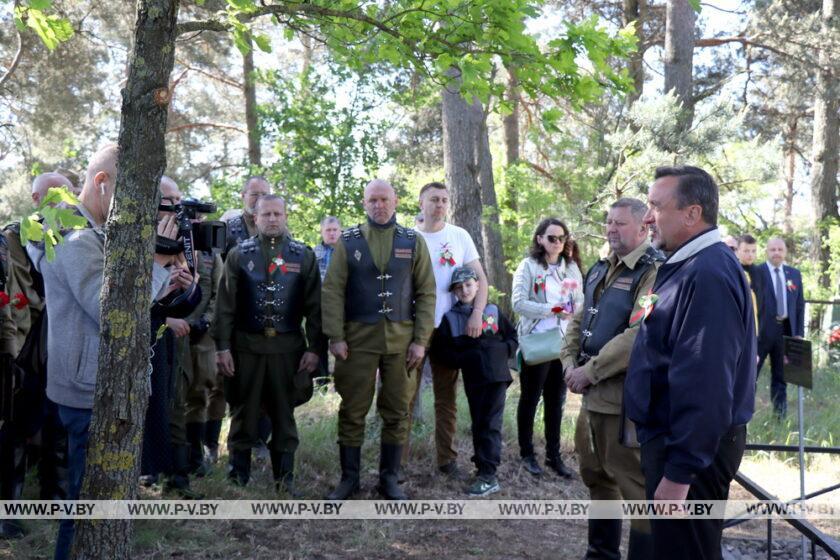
192,236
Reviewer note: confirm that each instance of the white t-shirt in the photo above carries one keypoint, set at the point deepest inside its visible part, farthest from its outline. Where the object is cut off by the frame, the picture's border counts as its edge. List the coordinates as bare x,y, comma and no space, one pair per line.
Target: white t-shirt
450,247
553,294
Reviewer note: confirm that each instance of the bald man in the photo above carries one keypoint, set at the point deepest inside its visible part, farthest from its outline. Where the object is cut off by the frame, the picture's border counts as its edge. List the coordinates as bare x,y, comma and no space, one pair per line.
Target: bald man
72,283
378,307
782,314
45,181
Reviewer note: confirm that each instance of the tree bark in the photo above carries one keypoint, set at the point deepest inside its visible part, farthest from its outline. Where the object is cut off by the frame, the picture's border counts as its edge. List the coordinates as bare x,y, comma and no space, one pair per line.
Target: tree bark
494,254
826,144
511,121
254,148
789,170
633,12
460,169
122,390
679,54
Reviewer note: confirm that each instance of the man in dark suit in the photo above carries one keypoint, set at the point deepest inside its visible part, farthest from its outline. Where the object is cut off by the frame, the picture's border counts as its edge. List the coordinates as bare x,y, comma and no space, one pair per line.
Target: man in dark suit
782,315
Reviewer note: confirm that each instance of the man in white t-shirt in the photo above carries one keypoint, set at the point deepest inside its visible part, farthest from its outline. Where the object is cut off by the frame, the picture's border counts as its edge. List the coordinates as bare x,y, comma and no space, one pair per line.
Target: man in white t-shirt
449,246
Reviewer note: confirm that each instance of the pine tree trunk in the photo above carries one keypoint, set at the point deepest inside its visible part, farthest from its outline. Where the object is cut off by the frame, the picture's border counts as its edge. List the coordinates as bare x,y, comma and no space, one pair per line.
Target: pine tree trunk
632,13
254,148
511,122
679,55
494,252
459,149
789,171
122,391
826,145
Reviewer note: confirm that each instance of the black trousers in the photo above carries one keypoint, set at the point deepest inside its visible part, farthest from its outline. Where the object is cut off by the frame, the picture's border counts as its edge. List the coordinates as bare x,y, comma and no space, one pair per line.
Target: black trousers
774,346
487,407
693,539
544,380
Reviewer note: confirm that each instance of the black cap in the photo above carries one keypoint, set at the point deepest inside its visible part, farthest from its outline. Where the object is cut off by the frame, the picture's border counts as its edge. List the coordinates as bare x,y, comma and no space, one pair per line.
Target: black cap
461,274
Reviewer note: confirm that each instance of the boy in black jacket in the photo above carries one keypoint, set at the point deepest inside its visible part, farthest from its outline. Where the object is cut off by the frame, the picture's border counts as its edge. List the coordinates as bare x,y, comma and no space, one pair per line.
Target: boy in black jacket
484,363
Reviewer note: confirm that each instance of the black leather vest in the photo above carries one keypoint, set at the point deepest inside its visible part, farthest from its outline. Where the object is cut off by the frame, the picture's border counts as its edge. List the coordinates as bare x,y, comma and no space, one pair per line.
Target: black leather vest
269,301
610,315
237,232
373,294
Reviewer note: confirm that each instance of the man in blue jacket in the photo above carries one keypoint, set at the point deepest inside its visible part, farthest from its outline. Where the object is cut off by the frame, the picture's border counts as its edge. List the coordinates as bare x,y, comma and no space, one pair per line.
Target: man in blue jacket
782,315
690,385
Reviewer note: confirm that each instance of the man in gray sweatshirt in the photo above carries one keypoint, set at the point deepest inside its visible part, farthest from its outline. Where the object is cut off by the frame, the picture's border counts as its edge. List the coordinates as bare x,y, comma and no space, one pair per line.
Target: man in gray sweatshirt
73,282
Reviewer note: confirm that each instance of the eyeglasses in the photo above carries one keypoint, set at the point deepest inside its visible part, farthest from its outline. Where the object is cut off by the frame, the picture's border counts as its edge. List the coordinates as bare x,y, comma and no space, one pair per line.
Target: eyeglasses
556,238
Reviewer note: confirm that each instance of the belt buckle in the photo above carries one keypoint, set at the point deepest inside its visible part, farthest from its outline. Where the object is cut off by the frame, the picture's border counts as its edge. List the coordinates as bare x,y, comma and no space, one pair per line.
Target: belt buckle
269,332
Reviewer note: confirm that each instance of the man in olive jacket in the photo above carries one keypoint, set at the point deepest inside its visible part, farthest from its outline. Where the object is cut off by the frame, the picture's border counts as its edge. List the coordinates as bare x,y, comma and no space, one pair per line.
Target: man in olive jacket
379,312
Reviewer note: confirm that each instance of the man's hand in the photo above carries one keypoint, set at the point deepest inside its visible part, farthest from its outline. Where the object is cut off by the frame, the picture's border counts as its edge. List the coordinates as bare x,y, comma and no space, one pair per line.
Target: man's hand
181,278
414,356
224,363
309,362
179,326
669,491
474,323
576,380
339,350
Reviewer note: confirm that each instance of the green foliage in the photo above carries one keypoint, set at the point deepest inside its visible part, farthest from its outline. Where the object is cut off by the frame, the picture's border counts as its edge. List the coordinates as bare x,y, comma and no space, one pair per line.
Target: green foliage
51,219
325,152
52,29
473,36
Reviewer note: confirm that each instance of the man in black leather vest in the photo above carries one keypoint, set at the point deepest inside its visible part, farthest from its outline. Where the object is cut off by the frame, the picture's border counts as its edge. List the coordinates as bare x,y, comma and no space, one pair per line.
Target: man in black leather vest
599,340
243,226
269,287
379,311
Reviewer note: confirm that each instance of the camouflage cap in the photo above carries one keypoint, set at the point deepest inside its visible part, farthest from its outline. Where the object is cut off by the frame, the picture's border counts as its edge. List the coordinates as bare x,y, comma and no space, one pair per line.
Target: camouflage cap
461,274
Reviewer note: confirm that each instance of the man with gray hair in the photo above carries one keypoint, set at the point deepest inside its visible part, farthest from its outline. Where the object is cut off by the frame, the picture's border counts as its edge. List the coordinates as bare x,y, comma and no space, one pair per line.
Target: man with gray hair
598,343
330,232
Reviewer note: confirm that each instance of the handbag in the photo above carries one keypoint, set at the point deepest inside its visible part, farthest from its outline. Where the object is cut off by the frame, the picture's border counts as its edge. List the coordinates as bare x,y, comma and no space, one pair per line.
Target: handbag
541,347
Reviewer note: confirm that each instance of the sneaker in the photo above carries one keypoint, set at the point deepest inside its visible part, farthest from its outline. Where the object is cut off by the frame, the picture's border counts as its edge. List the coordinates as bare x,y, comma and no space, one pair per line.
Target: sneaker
483,486
147,480
530,464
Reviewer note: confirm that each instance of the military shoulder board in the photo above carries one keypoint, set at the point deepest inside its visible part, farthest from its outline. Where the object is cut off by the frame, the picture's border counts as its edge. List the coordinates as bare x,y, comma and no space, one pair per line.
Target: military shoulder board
410,233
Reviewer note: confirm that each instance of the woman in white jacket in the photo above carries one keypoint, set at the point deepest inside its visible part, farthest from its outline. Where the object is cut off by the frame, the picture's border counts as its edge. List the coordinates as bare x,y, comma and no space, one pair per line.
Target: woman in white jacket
546,292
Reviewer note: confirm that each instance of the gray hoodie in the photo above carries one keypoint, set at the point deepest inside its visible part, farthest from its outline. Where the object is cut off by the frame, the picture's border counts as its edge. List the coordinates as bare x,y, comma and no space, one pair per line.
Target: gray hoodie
72,282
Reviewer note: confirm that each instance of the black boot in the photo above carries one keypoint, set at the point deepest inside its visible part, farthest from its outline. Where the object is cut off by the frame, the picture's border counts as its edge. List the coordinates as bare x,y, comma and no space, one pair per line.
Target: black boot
212,430
640,546
178,480
389,469
555,463
283,466
195,460
604,539
351,459
12,476
240,467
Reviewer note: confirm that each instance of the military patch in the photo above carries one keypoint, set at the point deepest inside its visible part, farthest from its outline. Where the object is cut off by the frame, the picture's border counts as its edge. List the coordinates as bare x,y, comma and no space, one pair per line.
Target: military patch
293,267
250,266
357,255
623,284
403,253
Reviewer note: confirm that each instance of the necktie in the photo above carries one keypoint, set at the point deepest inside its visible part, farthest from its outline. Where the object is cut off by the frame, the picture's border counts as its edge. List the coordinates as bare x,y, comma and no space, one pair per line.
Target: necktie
780,296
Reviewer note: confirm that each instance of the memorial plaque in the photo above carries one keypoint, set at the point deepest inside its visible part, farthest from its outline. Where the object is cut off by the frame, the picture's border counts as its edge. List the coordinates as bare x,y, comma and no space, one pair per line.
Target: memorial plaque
799,366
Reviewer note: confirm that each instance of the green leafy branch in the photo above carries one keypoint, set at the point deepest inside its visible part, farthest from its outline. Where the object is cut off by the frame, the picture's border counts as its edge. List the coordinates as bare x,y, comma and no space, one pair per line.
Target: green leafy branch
52,29
53,216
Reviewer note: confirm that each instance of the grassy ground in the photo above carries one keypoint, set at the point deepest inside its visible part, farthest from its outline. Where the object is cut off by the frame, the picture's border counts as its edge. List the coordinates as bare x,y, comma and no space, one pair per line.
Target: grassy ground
318,471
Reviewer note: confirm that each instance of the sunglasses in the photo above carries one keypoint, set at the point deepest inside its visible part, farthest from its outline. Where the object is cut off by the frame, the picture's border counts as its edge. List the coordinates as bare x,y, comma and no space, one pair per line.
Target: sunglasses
556,238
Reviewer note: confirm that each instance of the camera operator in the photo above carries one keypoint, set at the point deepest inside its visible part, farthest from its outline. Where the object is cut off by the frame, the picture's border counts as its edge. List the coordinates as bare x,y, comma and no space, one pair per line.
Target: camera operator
164,443
73,283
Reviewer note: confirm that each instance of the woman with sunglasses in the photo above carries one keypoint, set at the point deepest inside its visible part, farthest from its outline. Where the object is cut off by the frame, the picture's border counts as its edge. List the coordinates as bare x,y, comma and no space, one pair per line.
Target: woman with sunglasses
546,291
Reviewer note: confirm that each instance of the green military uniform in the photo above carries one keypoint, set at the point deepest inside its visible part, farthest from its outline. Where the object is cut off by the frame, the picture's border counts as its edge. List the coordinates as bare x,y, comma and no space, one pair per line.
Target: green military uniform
196,365
609,469
269,286
21,280
394,309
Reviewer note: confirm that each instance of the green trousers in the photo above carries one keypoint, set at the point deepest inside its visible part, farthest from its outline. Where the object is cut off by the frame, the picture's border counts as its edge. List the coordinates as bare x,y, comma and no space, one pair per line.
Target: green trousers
200,387
610,470
263,382
355,381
